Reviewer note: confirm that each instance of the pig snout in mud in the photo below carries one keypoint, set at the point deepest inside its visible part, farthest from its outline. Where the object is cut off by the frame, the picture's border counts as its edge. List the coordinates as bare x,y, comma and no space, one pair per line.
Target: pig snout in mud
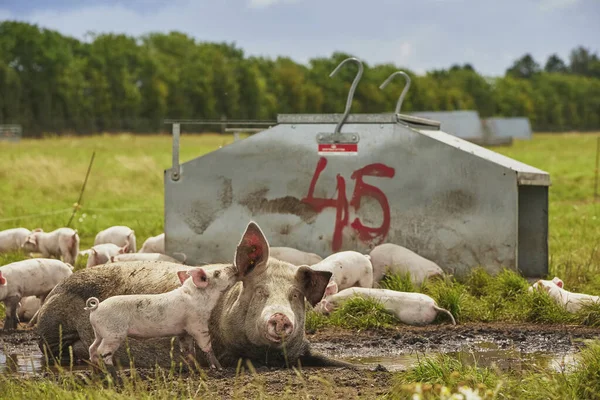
261,318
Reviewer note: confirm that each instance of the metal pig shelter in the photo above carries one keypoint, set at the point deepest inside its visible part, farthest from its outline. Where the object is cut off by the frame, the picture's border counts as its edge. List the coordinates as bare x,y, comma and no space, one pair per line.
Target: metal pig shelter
518,127
330,182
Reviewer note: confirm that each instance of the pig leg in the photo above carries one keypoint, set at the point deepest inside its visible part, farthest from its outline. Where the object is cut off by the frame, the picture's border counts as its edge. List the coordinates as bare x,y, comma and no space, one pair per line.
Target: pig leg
11,307
186,345
203,339
94,348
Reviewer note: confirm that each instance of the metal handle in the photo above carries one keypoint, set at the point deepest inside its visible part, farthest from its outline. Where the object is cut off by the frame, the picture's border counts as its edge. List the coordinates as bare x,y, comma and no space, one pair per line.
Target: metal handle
350,93
404,91
176,173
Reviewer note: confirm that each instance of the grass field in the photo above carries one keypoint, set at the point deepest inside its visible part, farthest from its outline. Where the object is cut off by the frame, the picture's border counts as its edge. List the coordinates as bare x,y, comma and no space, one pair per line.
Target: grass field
126,187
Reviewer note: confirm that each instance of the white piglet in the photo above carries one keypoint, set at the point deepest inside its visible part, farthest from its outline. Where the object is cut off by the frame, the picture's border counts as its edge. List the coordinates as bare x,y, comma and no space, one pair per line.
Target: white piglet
410,308
119,235
103,253
394,259
34,277
28,306
62,242
182,312
572,302
294,256
348,268
13,239
154,244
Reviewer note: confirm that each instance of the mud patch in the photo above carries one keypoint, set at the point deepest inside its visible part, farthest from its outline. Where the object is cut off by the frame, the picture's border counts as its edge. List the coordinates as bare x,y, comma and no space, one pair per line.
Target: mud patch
377,354
258,204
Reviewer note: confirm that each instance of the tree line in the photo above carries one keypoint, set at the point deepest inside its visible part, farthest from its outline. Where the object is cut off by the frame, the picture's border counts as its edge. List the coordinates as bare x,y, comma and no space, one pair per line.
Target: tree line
113,82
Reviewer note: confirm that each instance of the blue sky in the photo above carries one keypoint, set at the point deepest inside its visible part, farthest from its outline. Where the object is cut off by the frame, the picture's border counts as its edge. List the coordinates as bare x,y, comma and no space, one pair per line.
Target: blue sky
420,35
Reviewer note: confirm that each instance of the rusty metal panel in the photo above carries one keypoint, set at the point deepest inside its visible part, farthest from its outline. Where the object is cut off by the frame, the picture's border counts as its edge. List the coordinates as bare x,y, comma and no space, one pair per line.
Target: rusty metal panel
517,128
443,197
465,124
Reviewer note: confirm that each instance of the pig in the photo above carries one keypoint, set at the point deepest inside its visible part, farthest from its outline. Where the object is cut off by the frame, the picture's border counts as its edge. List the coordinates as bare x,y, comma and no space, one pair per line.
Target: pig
62,242
410,308
247,322
154,244
35,277
182,312
349,268
28,307
119,235
572,302
13,239
102,253
146,257
294,256
394,259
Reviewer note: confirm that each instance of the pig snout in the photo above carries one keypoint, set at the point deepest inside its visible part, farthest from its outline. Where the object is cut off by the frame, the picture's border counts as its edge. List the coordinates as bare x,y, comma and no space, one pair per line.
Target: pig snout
278,325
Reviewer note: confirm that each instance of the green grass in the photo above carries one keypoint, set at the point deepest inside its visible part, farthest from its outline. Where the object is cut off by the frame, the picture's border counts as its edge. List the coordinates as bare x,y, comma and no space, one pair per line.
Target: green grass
436,377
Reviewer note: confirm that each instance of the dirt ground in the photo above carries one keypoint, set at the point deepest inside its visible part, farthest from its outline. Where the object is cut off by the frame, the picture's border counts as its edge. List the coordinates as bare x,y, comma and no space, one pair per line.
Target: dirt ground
370,380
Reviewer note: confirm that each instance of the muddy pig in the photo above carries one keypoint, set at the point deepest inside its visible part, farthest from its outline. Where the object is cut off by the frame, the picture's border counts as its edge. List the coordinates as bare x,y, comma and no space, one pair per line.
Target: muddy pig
102,253
120,235
248,321
62,242
146,257
400,260
294,256
182,312
154,244
13,239
36,277
410,308
349,268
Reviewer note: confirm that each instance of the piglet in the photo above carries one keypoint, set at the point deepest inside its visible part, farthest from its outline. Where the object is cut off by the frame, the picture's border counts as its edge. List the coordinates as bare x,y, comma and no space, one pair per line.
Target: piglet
146,257
120,235
572,302
294,256
183,312
28,307
103,253
393,259
13,239
62,242
154,244
34,277
348,268
410,308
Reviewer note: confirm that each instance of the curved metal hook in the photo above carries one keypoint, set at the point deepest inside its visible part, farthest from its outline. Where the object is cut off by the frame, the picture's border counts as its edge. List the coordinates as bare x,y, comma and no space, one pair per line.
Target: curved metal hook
351,92
401,98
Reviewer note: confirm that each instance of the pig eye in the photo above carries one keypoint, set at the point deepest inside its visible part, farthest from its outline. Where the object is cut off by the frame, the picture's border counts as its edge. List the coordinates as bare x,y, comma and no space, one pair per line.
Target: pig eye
217,274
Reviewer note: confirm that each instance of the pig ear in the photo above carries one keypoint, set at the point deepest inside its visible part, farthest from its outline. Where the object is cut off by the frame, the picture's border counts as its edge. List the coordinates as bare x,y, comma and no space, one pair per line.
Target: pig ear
38,230
558,282
312,283
2,279
198,277
252,251
183,275
332,288
124,249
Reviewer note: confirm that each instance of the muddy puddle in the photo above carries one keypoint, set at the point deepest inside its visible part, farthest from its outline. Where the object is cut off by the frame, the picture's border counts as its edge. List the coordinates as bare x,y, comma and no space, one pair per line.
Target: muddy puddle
504,347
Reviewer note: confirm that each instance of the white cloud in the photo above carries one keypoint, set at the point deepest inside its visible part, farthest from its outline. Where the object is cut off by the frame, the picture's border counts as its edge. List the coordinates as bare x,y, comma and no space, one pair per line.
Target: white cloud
268,3
551,5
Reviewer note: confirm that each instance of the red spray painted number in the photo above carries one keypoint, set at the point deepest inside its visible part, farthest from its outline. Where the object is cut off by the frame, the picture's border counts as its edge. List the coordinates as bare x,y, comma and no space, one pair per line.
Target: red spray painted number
340,203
